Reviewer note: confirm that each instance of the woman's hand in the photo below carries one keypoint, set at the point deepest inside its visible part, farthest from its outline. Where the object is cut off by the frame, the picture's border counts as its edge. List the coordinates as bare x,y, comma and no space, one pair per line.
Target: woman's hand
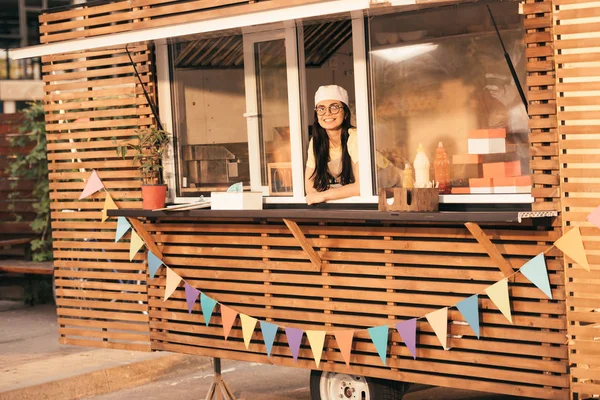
314,198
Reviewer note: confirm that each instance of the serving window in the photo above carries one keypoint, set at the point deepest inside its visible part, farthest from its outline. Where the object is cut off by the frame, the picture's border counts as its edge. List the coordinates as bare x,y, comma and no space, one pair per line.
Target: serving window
242,101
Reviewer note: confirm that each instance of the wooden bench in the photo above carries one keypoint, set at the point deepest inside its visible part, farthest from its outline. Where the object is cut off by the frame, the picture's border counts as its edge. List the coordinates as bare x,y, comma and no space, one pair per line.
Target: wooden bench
27,267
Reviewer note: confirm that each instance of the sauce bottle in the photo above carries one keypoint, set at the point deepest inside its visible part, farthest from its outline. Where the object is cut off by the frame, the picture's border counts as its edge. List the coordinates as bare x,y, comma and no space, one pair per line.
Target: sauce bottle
408,182
441,166
421,168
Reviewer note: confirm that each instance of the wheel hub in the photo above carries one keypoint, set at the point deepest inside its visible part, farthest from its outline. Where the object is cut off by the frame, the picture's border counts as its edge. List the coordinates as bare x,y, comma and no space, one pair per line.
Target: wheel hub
334,386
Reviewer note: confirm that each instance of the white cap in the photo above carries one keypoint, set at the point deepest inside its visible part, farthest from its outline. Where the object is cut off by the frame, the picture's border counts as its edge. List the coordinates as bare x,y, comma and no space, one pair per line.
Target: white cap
331,92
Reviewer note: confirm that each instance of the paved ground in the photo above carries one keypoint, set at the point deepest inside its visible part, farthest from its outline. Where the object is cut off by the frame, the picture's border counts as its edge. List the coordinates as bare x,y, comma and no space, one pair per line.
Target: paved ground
251,381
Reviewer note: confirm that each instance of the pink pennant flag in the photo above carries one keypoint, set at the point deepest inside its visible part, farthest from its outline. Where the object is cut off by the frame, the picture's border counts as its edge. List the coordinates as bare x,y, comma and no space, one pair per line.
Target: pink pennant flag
92,186
594,217
228,316
344,340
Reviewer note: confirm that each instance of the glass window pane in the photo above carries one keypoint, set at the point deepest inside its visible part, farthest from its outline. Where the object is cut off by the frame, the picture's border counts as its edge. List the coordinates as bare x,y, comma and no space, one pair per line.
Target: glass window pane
440,75
274,121
208,106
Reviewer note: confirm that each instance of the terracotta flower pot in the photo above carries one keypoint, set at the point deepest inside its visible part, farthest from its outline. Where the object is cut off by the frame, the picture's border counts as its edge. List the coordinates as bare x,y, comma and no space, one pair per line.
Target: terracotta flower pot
153,196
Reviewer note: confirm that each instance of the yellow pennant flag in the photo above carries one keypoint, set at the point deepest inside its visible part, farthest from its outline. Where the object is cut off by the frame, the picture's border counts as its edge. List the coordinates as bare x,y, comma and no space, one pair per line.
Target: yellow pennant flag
173,281
498,293
109,204
316,340
572,245
135,245
439,322
248,325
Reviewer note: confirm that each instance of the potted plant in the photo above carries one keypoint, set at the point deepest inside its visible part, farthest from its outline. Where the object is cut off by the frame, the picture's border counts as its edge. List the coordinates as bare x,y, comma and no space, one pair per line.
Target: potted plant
149,150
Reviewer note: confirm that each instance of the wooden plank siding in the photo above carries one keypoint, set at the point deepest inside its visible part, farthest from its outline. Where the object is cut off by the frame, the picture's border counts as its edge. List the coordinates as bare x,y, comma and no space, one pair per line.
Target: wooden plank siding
372,275
91,99
577,28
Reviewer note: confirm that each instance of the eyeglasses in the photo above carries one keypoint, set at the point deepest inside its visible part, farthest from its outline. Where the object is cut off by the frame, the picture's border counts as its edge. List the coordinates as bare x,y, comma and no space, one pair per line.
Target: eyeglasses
333,109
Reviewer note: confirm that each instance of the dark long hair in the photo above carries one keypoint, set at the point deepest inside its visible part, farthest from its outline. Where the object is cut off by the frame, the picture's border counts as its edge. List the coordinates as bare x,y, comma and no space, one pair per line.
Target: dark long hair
320,139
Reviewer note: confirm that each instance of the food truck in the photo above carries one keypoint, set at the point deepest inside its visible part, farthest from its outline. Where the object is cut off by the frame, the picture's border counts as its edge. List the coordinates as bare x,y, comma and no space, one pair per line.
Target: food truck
367,292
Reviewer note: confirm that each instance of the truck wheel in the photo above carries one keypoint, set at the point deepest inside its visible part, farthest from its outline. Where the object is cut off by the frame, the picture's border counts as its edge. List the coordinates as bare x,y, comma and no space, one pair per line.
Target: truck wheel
335,386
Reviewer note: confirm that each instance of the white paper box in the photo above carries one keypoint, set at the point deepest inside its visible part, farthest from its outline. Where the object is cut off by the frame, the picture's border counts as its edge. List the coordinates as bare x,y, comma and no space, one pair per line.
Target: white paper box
512,189
236,201
481,190
487,146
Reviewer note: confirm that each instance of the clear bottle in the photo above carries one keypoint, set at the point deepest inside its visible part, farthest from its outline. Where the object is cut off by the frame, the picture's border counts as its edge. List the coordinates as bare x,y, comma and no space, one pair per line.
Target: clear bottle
408,181
441,166
421,165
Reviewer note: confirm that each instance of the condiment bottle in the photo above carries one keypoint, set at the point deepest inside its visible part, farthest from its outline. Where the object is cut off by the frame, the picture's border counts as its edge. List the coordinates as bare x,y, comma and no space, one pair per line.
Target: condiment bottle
441,166
421,168
408,181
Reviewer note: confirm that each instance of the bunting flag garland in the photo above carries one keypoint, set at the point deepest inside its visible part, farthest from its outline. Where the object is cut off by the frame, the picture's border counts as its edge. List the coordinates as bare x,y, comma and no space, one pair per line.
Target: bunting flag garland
469,308
269,331
122,227
439,322
228,316
191,295
248,325
294,338
594,217
408,333
535,270
92,186
208,305
316,339
498,293
154,264
173,281
571,244
135,245
379,337
109,204
344,340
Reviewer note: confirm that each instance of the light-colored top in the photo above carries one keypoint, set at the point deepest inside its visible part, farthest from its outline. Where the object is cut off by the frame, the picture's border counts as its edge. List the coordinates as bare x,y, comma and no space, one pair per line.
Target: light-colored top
335,155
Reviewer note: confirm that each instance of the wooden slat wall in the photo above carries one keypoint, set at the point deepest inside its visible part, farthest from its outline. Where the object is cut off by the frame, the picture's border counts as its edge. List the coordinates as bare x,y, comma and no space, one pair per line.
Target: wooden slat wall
373,275
577,42
541,95
91,99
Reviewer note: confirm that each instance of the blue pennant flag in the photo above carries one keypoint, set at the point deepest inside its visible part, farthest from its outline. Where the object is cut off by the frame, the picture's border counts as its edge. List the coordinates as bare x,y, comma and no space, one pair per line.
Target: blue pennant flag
535,270
469,308
268,331
379,336
122,227
154,264
208,305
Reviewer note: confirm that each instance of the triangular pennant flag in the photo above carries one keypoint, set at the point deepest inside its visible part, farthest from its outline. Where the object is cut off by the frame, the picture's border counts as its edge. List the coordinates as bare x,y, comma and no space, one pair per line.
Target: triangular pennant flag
269,331
316,339
228,316
535,270
191,295
408,333
92,186
344,340
173,281
154,264
379,336
439,322
498,293
594,217
109,204
208,305
122,227
135,245
469,308
294,338
571,244
248,324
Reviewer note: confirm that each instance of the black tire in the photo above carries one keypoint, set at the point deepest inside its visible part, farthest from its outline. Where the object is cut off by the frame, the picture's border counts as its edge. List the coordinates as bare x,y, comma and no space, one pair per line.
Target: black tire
379,389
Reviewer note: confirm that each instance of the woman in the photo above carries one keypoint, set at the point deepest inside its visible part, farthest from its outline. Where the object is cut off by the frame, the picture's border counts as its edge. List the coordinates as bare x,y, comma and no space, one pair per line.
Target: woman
332,162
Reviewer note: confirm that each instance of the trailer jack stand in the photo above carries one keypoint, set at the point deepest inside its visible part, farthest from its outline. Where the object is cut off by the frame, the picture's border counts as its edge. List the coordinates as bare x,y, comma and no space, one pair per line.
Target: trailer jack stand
218,389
